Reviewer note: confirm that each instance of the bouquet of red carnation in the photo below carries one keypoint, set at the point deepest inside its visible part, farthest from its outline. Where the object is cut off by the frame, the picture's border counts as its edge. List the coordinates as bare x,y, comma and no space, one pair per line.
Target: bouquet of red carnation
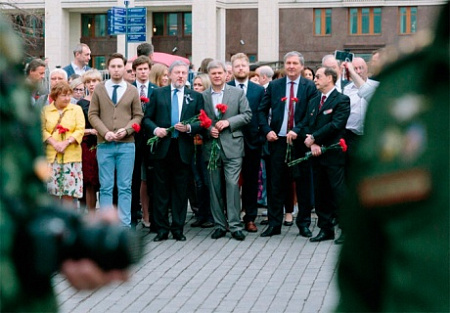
339,145
144,100
205,122
215,147
135,127
288,155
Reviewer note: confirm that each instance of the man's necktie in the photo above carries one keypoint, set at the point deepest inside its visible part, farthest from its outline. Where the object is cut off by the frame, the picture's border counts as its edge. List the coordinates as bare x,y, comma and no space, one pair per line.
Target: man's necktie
114,94
290,123
142,95
242,86
322,101
174,115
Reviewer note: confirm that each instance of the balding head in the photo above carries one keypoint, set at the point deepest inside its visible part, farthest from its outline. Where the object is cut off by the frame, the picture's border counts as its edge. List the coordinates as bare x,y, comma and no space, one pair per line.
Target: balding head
330,61
265,73
360,67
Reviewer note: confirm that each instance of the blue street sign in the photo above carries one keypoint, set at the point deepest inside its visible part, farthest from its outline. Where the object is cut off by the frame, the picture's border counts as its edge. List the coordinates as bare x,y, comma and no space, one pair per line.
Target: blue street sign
137,37
137,23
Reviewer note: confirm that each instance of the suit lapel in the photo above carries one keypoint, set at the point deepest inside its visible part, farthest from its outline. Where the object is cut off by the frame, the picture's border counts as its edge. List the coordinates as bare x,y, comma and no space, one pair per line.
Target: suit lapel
185,104
209,109
329,101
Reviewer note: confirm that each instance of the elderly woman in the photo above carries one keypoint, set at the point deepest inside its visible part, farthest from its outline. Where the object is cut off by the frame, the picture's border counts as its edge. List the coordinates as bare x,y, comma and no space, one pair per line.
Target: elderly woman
57,75
159,75
90,166
62,131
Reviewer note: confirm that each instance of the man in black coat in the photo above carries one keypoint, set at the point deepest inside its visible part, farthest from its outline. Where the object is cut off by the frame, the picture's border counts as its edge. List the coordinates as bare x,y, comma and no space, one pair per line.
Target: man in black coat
286,99
172,156
324,125
252,140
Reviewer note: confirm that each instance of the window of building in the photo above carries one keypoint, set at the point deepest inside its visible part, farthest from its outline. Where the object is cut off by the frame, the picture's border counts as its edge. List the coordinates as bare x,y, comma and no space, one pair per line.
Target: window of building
187,24
322,22
365,21
408,20
172,24
94,25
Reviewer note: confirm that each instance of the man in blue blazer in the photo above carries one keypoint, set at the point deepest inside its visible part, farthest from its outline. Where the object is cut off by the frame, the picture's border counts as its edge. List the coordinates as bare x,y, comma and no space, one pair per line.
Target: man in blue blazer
324,125
79,65
172,156
141,66
253,140
287,100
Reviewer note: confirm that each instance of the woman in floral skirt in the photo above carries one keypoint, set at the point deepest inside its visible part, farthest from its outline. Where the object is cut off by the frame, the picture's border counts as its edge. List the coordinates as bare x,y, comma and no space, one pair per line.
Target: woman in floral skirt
62,131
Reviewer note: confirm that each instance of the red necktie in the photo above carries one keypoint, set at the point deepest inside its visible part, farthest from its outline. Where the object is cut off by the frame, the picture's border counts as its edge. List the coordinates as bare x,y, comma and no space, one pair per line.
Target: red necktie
322,101
290,123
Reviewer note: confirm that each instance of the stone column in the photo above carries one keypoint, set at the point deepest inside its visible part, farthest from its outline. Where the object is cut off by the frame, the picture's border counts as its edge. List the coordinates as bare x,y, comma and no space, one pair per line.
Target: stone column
268,30
204,31
57,34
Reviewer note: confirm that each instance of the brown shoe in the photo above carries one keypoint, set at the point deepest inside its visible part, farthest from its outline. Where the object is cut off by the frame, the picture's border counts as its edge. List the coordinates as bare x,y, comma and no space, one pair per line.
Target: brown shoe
251,227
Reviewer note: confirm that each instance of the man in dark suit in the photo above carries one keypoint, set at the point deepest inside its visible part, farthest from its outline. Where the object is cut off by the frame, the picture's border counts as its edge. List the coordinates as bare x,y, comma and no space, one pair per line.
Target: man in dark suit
169,106
252,140
79,65
230,137
287,99
324,125
141,66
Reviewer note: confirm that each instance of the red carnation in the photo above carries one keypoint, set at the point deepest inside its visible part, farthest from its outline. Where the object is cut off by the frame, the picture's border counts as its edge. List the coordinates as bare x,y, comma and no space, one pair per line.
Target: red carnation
283,99
294,99
61,129
343,144
136,127
222,108
205,121
144,100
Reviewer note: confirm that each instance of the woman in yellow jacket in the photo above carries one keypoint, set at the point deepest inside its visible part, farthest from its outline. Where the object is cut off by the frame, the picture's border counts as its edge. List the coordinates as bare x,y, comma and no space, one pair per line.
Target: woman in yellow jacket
63,130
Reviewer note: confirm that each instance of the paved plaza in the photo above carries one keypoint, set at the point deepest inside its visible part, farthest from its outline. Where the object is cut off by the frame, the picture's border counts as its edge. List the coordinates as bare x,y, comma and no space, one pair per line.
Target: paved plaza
284,273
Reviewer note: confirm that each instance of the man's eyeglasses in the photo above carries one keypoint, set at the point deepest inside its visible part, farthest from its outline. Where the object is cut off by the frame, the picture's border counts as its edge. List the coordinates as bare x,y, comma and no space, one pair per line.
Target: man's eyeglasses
78,89
129,71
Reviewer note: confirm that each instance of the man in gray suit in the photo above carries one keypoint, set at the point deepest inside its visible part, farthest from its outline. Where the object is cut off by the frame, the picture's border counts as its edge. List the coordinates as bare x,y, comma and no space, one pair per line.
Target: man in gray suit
228,132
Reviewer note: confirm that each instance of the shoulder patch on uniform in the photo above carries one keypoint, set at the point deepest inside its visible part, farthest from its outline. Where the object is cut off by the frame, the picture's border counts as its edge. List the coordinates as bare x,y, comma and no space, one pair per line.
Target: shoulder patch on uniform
408,106
394,188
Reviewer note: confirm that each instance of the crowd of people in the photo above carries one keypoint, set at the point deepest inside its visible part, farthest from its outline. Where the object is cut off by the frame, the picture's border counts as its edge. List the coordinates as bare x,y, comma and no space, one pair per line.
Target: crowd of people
92,134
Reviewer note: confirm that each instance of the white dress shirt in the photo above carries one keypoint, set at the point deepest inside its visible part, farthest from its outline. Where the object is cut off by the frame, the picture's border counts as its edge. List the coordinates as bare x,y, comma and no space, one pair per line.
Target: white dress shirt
120,91
359,100
217,98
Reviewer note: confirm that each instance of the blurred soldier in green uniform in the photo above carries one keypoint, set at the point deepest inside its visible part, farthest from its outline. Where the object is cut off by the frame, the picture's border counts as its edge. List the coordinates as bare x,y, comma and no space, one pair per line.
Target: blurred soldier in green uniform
21,144
25,284
396,256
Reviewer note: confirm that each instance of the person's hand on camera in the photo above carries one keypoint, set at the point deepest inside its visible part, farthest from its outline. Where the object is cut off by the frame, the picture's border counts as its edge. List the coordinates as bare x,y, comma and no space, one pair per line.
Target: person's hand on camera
84,274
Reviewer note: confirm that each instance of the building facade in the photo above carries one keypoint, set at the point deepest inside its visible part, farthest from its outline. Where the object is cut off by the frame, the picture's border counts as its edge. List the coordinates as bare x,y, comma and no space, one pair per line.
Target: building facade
263,29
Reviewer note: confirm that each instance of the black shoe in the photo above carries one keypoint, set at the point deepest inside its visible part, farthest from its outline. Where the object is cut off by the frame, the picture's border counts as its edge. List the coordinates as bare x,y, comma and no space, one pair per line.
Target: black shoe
161,237
207,224
218,233
179,236
287,223
264,222
270,231
305,232
323,235
340,240
153,229
238,235
197,223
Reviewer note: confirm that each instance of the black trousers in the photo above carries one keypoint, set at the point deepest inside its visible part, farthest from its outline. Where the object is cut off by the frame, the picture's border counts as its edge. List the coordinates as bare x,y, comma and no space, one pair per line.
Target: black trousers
170,190
250,171
329,192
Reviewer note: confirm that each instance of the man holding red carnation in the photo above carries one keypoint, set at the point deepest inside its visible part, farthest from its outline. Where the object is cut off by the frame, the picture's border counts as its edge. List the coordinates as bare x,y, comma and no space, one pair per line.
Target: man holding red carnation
324,125
228,107
172,154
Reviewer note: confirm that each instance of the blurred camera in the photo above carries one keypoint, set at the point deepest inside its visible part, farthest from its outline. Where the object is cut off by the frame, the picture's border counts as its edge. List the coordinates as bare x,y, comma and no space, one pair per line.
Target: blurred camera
343,56
54,235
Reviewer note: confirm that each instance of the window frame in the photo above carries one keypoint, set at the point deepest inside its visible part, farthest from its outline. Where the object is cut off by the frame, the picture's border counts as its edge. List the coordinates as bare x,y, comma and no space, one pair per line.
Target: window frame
359,21
409,29
323,22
